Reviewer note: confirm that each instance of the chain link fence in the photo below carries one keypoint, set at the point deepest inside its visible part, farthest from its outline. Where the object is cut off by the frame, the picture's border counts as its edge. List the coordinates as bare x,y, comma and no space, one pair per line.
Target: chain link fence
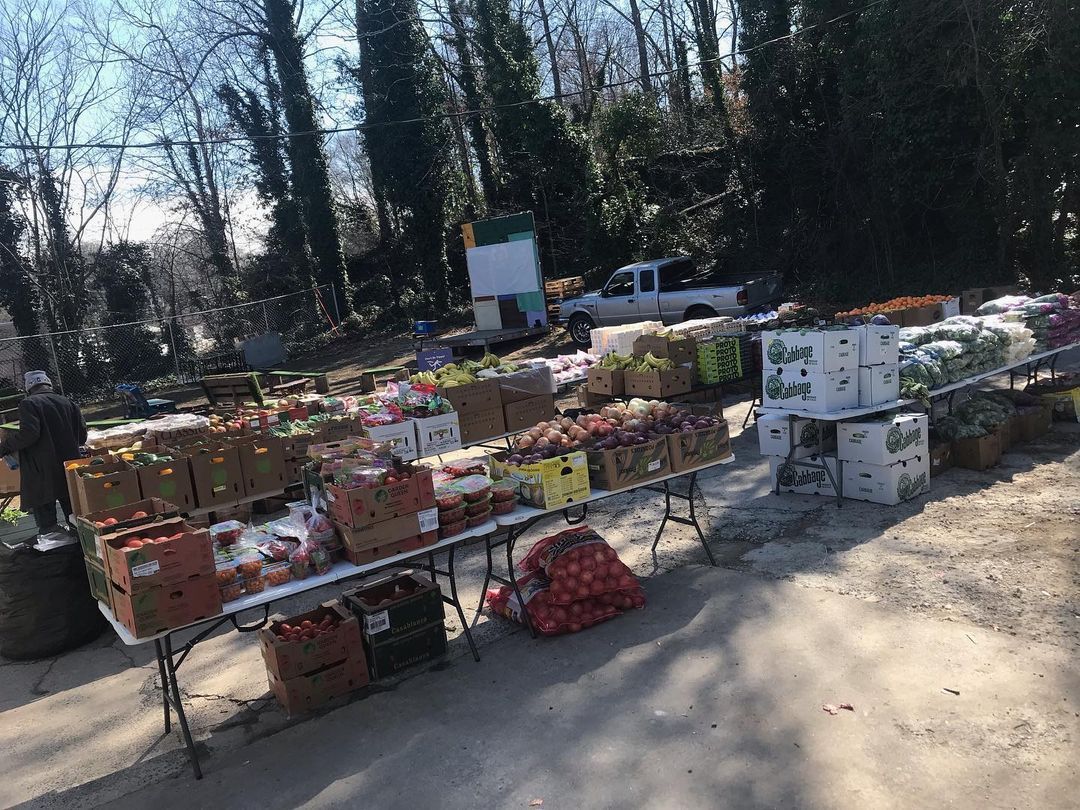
88,364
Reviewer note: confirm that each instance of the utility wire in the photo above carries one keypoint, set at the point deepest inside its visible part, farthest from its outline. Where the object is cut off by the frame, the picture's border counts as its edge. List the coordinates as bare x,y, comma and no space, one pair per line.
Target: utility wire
366,125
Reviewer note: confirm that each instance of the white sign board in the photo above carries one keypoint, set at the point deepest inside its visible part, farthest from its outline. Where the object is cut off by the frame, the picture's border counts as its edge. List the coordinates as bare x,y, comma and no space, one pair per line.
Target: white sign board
507,268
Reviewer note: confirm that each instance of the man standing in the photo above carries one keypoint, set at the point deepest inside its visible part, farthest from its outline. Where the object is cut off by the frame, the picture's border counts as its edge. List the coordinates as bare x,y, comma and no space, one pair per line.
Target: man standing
51,428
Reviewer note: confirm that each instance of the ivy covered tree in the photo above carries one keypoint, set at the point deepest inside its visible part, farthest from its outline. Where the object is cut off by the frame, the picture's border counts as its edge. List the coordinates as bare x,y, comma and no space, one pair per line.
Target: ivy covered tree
411,163
545,164
18,293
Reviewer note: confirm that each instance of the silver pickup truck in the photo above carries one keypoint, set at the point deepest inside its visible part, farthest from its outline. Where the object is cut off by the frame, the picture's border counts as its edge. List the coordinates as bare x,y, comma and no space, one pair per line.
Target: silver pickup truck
669,290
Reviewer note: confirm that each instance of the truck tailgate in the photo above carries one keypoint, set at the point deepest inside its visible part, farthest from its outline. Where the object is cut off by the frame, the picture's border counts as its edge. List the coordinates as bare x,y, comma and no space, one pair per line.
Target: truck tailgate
764,290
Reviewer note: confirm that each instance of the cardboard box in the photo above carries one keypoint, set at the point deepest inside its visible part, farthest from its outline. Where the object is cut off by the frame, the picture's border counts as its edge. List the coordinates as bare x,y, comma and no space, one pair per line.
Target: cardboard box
139,569
481,424
168,480
816,350
878,345
289,659
10,480
216,473
394,605
887,484
971,300
166,607
90,535
117,485
477,396
295,447
682,352
340,428
941,458
402,436
525,384
658,384
793,476
1062,396
306,692
796,389
883,439
548,484
526,413
385,532
362,506
698,447
1005,435
980,453
606,381
363,556
293,471
879,384
590,399
99,582
262,463
71,469
776,434
400,652
1031,422
932,313
436,435
628,466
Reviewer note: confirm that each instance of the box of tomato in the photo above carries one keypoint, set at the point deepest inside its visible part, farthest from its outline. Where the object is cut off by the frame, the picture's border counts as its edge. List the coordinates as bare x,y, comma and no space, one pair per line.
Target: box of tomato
308,642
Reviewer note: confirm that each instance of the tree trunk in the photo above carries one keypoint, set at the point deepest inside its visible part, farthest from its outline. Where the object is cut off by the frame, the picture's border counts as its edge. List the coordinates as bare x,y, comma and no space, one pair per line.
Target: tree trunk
311,175
642,49
549,40
473,101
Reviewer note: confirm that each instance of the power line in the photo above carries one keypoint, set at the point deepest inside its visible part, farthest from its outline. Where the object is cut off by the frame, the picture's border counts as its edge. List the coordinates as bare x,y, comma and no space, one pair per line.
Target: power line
366,125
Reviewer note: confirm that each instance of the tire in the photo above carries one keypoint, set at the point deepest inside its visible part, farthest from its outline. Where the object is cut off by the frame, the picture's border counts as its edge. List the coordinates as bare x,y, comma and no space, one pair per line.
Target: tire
699,311
579,327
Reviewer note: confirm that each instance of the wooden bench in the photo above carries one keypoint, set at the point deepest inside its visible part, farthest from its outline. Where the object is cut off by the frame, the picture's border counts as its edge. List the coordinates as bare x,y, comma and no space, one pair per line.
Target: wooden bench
371,377
280,377
233,390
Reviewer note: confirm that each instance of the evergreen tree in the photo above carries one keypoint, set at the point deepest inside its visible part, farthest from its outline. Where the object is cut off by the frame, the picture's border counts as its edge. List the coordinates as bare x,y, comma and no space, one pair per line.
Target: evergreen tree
17,293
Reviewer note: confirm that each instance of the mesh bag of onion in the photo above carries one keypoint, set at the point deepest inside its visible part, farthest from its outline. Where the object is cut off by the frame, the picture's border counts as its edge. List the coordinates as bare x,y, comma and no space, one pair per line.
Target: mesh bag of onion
580,565
549,619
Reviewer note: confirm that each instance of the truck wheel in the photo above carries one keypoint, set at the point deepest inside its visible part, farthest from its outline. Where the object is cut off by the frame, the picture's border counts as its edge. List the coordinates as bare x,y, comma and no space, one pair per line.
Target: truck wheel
699,311
579,328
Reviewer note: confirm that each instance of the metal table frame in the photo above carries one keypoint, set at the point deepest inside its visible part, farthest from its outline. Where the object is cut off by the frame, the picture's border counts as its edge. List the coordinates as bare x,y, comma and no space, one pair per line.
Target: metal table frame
517,524
1030,366
169,658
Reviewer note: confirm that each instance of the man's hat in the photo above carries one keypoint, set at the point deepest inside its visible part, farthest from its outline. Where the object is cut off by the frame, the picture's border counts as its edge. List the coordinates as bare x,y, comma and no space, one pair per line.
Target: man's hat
35,378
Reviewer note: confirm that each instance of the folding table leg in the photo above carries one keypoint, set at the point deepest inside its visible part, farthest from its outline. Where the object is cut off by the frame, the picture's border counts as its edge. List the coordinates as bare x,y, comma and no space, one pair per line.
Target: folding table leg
457,603
164,684
685,521
178,706
510,540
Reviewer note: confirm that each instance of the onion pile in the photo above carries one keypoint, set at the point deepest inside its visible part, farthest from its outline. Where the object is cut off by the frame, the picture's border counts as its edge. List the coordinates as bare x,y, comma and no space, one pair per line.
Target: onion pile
637,422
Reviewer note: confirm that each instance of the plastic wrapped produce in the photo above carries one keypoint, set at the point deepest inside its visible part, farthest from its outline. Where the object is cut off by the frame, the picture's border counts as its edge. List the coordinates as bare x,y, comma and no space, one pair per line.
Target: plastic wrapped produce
1003,304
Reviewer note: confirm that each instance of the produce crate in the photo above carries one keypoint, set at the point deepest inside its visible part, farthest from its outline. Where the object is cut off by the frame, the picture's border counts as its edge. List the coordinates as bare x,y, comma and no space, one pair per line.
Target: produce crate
399,652
564,287
719,361
89,534
394,605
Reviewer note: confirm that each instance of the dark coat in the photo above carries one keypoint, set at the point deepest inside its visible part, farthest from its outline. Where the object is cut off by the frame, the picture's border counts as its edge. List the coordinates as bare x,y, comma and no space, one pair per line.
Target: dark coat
51,428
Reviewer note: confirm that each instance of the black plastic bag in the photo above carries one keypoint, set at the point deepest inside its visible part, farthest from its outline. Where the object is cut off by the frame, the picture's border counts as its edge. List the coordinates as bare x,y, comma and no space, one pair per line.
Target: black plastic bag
45,603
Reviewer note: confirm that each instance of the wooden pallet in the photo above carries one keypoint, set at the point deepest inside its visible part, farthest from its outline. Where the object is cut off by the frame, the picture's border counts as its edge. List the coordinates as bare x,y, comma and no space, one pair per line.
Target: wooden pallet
564,287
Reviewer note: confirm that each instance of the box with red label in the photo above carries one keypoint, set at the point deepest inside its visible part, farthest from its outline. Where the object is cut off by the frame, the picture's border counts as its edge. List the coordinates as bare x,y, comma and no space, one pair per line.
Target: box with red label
157,554
106,485
166,607
306,692
335,636
362,506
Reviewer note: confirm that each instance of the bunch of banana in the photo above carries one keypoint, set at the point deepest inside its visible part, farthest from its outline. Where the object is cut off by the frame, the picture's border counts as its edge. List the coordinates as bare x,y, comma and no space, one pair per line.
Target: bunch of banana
425,378
490,360
615,362
651,362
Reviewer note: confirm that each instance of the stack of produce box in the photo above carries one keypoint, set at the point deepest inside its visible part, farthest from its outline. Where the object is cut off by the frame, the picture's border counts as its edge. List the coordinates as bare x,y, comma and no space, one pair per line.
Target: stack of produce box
812,370
886,457
527,396
436,423
402,621
467,498
788,440
620,339
719,360
154,571
313,657
380,505
879,369
573,580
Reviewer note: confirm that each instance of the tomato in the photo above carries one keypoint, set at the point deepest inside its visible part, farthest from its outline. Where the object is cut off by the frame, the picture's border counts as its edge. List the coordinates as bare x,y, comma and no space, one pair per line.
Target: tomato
285,628
111,521
573,569
138,515
98,524
294,637
134,542
586,577
304,625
